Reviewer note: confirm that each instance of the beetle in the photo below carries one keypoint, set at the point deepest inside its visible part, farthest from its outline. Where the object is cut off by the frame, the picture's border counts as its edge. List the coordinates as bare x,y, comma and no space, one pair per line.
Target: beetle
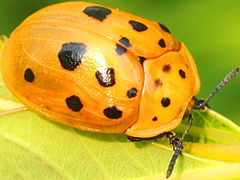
73,64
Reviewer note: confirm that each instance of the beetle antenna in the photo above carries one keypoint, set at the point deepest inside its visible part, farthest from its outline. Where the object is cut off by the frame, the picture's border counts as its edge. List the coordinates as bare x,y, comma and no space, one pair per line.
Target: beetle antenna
228,78
177,146
172,162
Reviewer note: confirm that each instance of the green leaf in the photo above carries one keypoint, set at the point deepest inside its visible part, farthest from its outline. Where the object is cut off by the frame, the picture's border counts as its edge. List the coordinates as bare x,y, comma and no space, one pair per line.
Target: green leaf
32,147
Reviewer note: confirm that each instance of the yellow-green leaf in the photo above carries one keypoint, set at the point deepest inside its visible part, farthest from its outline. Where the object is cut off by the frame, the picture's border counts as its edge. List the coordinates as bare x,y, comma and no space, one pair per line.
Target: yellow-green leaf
32,147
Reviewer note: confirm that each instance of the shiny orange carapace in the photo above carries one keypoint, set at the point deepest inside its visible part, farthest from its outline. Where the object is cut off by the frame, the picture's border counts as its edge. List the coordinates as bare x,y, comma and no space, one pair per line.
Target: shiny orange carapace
100,69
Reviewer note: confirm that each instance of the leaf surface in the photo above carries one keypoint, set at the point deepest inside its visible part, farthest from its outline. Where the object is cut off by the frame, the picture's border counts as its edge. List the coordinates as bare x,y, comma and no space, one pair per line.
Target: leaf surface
32,147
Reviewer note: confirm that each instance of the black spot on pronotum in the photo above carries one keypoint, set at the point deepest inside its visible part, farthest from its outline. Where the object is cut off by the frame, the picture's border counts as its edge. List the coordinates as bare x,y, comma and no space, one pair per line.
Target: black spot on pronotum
164,28
28,75
96,12
182,73
155,118
74,103
141,59
71,54
106,77
166,68
125,41
162,43
165,102
132,92
138,26
112,112
157,83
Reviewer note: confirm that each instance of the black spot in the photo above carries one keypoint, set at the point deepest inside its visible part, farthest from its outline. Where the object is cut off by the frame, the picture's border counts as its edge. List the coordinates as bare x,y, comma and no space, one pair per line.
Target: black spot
155,118
182,73
28,75
166,68
71,54
157,83
132,92
164,28
141,59
162,43
120,49
106,78
74,103
99,13
112,112
125,41
165,102
138,26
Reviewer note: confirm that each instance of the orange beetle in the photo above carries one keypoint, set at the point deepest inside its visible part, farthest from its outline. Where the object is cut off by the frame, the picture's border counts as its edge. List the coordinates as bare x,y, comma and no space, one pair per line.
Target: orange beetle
102,70
131,76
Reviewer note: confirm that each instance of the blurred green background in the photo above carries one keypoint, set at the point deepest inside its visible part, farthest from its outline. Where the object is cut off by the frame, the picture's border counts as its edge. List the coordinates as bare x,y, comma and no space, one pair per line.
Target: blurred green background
210,29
